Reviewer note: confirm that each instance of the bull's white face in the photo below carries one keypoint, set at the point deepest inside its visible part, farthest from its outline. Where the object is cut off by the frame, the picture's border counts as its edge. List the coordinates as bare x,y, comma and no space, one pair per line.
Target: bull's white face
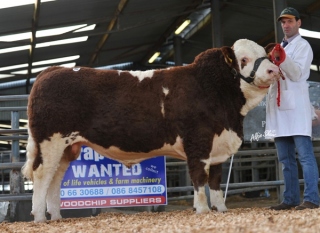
247,52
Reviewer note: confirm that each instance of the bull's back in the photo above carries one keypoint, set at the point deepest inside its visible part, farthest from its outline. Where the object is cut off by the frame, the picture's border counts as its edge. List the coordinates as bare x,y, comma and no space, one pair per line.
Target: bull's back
57,99
105,107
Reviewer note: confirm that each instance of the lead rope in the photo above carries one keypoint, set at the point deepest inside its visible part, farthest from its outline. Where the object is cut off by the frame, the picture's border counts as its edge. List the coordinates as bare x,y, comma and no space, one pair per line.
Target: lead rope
278,96
227,185
277,60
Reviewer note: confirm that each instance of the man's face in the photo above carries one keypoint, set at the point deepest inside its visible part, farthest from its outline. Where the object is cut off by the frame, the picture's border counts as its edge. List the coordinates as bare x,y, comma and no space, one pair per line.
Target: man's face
290,27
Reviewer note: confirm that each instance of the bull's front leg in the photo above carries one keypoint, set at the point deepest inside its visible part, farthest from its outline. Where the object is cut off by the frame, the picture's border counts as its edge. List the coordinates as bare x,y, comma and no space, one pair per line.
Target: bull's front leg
216,194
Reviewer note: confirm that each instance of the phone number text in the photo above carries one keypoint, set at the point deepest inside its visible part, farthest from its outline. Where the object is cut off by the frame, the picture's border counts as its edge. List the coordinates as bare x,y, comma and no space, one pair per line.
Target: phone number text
111,191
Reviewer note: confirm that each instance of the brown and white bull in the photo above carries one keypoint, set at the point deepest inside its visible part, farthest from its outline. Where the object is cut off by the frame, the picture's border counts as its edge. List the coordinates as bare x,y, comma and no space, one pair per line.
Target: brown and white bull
192,112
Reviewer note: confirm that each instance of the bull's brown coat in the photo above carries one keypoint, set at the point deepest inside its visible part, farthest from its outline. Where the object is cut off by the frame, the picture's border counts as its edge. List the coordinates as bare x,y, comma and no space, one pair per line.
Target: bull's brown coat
139,117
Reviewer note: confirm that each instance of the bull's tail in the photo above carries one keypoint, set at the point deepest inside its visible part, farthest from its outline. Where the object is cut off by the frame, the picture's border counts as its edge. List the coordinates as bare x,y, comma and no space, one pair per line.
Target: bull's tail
32,154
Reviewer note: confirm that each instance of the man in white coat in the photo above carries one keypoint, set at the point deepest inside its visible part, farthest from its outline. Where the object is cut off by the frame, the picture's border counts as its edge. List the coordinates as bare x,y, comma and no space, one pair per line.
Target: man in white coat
288,116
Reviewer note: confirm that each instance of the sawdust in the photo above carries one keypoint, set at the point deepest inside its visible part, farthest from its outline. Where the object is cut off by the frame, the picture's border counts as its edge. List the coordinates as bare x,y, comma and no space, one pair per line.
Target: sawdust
245,215
246,220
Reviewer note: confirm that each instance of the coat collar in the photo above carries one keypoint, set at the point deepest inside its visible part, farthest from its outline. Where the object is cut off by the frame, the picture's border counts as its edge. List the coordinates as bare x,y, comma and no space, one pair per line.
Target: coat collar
293,40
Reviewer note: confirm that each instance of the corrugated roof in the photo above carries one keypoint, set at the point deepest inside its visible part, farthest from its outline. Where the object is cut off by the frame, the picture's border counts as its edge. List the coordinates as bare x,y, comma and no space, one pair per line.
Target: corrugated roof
132,30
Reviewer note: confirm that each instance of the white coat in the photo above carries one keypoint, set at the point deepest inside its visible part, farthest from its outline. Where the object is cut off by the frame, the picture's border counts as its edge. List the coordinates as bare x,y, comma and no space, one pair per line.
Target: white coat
293,117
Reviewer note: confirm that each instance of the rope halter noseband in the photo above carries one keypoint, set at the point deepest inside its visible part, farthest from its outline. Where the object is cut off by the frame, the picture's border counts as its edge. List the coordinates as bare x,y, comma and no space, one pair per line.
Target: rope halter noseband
249,79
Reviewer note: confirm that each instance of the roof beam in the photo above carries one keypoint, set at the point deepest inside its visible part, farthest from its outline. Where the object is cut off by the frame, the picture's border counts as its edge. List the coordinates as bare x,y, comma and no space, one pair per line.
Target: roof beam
313,7
111,25
35,20
169,31
201,24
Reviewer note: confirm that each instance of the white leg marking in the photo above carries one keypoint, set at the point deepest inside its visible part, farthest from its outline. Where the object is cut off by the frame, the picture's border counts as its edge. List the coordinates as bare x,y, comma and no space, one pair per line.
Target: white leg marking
216,199
52,152
39,196
53,196
200,201
27,170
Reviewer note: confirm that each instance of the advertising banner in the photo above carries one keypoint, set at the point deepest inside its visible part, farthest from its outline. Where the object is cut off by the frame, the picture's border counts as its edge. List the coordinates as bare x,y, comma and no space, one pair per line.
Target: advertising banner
94,181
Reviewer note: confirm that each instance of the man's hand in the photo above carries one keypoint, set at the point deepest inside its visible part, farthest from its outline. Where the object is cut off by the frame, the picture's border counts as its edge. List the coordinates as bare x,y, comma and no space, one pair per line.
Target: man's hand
277,55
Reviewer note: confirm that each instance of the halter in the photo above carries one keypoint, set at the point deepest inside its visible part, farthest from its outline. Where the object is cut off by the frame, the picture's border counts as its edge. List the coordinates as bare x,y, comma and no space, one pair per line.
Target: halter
253,72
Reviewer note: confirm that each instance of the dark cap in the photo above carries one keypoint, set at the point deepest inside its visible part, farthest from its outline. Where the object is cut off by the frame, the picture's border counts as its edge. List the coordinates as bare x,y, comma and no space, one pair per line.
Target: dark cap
289,12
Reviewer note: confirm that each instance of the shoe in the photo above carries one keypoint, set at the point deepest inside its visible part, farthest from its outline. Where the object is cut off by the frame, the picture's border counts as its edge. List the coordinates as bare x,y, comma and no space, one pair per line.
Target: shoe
306,205
282,206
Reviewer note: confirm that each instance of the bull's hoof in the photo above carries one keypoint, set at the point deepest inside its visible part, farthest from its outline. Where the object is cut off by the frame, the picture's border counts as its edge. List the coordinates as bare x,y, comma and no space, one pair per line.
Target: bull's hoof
54,216
203,210
40,219
214,208
220,208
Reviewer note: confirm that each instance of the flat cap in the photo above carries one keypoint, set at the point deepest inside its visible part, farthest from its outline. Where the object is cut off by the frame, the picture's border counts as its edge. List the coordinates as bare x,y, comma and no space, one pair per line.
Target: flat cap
290,13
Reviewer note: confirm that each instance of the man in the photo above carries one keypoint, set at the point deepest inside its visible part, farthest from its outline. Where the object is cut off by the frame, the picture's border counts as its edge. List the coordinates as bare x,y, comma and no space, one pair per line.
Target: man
288,116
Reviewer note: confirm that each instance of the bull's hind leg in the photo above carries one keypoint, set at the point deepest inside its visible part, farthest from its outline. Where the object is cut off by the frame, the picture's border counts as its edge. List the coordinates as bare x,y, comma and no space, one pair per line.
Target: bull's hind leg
51,152
199,177
216,194
53,196
32,151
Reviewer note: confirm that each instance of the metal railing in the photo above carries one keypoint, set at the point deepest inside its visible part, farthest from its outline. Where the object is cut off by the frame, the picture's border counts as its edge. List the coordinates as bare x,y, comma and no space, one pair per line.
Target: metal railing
15,163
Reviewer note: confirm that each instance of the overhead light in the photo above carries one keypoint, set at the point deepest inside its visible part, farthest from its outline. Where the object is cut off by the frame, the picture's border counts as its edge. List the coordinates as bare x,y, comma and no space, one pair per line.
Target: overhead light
308,33
88,28
314,67
36,70
47,32
23,72
6,75
16,37
60,42
154,57
55,60
58,31
14,49
13,67
182,26
44,62
15,3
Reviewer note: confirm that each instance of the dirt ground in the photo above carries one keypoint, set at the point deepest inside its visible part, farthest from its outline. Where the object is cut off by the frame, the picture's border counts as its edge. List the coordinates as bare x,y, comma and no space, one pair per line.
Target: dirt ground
245,215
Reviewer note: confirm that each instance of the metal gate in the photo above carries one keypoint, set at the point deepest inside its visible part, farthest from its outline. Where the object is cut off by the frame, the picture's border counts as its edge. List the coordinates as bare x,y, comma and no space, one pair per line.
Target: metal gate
254,168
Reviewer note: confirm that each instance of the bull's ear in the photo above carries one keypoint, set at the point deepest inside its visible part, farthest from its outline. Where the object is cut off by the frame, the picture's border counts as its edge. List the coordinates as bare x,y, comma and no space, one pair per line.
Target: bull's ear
269,47
229,56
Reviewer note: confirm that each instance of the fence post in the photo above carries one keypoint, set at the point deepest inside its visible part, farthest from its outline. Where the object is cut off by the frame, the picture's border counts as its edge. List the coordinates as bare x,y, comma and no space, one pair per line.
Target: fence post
16,183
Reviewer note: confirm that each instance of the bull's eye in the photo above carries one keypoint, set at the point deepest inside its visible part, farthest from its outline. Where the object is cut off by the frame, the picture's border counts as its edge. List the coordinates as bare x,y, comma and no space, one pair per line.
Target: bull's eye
244,62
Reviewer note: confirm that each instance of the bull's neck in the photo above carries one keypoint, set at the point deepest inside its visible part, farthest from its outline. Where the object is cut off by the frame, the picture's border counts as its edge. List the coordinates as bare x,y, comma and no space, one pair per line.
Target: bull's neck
253,96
